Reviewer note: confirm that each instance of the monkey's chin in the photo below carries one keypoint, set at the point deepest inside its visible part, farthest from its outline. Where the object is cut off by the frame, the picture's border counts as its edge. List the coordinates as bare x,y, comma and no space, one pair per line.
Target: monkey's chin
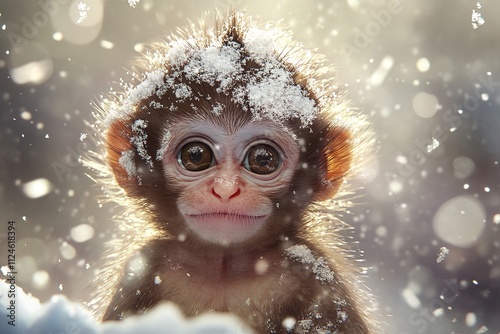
224,228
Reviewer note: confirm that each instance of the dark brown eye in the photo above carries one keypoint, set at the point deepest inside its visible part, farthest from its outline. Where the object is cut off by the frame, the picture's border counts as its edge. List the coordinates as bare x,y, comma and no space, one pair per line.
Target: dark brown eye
262,159
195,156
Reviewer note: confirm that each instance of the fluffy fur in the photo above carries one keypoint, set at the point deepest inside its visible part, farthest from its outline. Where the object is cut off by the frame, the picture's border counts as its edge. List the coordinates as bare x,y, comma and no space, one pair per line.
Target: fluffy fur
333,144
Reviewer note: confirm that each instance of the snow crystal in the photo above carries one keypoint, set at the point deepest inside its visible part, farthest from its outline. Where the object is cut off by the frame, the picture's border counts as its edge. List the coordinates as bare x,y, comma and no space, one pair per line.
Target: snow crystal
140,140
262,43
179,53
163,146
182,92
83,10
218,108
431,147
133,3
127,162
152,81
157,280
215,65
156,105
319,265
226,182
477,19
443,251
276,98
306,324
342,316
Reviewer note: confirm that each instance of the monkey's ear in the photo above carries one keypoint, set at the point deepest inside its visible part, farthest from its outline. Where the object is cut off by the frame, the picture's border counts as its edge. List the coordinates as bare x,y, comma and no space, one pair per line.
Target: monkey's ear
117,143
337,156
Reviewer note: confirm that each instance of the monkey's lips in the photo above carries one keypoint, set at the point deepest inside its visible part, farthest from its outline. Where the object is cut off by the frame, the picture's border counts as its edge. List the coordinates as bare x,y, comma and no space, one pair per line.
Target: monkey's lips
225,228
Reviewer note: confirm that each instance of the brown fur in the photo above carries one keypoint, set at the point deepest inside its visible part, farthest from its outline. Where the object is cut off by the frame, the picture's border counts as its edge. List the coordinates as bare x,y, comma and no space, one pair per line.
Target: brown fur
222,278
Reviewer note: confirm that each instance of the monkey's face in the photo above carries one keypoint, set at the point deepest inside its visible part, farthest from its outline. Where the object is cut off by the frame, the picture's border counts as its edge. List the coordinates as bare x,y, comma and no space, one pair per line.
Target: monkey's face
226,177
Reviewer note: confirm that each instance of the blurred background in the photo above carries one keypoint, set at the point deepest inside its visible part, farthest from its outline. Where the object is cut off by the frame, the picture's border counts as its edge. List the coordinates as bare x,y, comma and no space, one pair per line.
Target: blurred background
425,72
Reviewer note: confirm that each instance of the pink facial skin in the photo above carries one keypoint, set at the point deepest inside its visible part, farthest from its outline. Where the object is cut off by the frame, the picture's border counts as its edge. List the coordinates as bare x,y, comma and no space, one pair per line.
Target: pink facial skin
228,203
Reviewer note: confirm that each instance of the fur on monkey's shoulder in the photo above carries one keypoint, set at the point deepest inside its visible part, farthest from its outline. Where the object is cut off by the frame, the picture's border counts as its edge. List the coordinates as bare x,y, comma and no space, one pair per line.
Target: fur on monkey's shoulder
274,142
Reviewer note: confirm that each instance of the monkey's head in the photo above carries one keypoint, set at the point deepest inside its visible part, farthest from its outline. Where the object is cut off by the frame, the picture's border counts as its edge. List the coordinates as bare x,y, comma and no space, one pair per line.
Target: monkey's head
226,135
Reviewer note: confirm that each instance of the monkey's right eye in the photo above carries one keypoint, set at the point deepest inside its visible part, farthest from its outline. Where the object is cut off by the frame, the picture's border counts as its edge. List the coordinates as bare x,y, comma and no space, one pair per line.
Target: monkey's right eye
195,156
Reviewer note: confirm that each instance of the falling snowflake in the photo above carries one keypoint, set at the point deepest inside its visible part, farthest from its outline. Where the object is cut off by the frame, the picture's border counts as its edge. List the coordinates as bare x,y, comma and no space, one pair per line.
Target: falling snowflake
433,146
443,251
477,18
133,3
83,11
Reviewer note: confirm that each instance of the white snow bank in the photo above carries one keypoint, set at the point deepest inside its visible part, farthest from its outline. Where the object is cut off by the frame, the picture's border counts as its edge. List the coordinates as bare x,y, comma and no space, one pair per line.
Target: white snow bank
60,316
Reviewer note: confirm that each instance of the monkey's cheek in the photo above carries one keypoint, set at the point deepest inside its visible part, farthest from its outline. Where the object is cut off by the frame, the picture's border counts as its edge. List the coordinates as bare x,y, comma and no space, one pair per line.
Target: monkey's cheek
225,230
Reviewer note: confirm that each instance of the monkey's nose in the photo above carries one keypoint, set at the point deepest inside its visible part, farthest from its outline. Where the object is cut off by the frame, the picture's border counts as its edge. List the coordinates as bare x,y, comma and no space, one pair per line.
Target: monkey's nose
226,188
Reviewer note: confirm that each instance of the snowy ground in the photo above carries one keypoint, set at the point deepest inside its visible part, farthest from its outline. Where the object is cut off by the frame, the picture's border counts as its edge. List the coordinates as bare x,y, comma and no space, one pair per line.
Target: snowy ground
28,316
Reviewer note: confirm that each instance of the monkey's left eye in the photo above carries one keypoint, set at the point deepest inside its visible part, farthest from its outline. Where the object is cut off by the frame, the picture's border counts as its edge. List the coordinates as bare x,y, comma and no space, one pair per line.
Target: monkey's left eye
195,156
262,159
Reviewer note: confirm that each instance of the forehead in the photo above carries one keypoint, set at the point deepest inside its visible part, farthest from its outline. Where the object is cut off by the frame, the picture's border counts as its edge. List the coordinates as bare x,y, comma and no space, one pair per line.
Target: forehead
233,127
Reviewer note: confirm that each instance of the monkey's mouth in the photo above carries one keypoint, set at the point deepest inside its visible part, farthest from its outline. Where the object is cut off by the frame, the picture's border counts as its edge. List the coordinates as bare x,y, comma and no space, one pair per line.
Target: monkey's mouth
226,217
225,228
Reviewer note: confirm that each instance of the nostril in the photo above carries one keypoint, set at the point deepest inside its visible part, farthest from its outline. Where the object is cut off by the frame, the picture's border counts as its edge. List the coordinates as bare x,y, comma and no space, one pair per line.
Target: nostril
236,193
215,193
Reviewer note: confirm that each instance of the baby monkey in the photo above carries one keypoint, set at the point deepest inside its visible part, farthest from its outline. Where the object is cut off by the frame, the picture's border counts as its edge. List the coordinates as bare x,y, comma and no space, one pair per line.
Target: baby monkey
223,148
